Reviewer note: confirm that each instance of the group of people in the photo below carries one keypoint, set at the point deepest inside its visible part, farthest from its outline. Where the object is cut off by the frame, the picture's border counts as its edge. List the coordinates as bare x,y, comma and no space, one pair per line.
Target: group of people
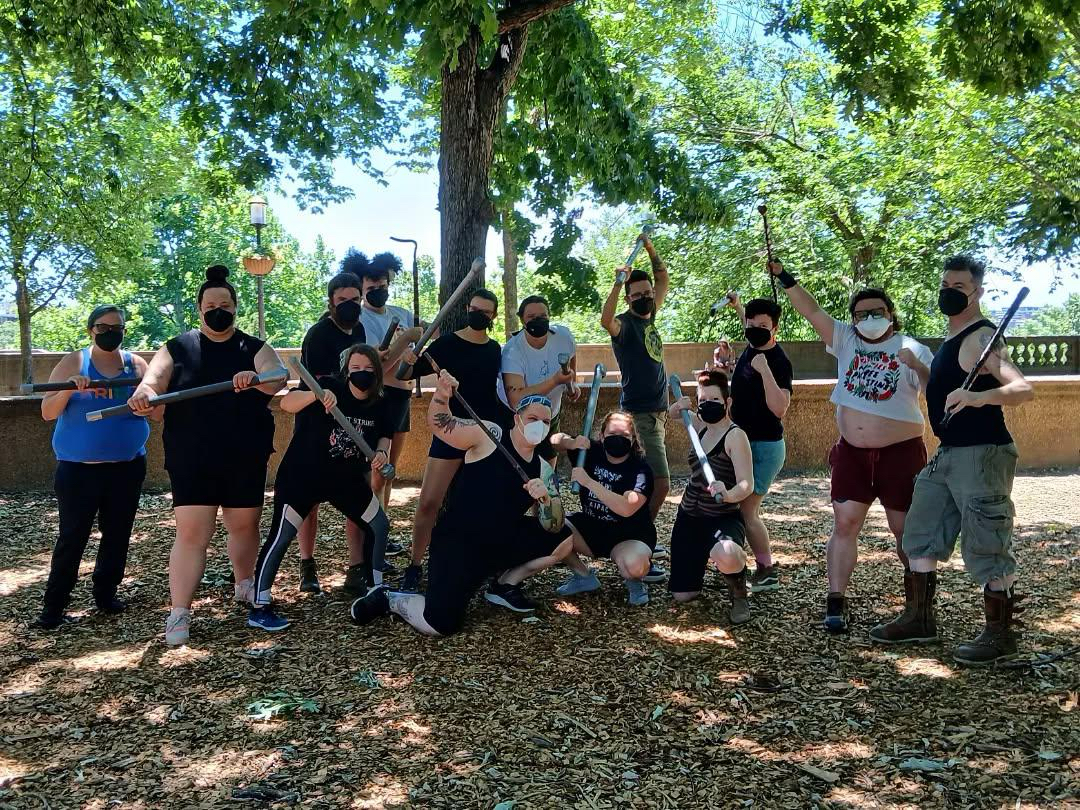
484,521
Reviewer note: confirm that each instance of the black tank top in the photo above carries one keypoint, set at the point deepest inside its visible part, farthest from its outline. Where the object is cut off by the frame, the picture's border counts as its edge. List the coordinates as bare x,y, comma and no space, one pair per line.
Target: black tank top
696,499
971,426
229,424
488,493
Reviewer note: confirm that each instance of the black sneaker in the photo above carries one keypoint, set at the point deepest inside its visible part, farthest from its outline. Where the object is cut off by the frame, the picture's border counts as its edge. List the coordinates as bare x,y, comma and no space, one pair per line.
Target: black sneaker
370,606
356,580
509,596
110,605
836,613
309,577
389,569
393,547
656,574
410,582
49,620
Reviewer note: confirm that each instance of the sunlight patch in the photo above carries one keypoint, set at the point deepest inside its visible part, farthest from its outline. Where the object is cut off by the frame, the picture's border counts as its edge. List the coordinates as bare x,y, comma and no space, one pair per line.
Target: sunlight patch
381,791
104,660
11,581
568,608
926,667
683,635
181,656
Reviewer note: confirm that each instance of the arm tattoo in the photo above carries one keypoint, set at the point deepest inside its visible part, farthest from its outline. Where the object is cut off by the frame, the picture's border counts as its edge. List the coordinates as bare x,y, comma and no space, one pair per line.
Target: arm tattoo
447,422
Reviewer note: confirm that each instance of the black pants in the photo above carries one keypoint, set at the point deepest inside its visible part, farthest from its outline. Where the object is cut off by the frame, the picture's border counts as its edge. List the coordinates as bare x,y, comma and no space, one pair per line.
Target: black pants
109,492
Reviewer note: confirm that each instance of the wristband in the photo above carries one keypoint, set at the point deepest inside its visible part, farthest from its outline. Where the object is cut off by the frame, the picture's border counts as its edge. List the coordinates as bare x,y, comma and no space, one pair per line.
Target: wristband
786,279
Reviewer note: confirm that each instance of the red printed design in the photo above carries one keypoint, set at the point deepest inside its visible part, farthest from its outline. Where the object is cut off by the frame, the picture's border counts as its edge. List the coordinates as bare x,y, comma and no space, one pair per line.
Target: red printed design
873,376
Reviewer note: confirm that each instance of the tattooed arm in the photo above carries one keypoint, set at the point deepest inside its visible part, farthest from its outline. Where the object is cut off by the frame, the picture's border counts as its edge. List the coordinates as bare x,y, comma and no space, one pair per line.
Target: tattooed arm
463,434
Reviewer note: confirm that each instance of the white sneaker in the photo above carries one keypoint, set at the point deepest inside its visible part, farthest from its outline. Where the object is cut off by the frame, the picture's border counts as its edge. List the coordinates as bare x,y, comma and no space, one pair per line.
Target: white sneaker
178,627
244,591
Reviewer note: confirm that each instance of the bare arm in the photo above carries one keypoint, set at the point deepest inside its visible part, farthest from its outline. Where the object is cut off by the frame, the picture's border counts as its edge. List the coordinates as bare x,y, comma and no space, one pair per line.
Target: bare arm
55,401
566,442
738,449
778,399
607,316
463,434
141,367
661,282
1015,389
807,306
516,390
622,505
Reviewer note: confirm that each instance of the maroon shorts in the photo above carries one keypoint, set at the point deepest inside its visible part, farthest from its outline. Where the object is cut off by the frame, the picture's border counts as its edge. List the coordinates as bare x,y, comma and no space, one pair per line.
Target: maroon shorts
887,473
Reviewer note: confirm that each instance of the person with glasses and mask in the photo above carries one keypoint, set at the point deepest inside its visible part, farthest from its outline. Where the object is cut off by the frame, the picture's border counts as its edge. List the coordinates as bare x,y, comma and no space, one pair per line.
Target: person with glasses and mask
100,466
339,328
880,373
761,388
474,359
965,491
530,364
216,447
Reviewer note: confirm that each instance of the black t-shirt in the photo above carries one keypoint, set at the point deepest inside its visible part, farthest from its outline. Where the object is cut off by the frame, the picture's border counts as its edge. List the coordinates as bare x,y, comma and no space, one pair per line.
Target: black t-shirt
632,474
196,428
639,352
476,368
318,441
323,344
749,410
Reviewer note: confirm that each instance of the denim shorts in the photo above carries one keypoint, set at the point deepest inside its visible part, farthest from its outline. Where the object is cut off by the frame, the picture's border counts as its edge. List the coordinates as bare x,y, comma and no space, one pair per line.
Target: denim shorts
768,460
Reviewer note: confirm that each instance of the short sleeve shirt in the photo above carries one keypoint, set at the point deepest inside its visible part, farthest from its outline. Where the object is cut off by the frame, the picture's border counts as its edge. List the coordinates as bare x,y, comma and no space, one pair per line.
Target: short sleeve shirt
749,409
630,475
640,354
536,365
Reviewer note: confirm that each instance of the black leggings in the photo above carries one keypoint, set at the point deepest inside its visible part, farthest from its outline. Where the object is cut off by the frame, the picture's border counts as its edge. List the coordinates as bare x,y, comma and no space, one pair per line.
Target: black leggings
109,492
353,498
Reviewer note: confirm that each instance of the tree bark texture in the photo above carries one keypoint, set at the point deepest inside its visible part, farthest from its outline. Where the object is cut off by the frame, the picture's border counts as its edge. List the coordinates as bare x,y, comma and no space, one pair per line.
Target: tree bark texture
510,267
26,344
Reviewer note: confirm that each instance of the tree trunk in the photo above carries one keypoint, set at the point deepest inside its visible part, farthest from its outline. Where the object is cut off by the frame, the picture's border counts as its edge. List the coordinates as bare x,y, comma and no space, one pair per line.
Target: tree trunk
22,306
510,266
472,104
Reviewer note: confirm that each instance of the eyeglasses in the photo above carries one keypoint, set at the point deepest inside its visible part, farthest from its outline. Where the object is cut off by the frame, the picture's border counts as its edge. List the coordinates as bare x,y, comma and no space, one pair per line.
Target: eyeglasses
639,295
105,328
862,314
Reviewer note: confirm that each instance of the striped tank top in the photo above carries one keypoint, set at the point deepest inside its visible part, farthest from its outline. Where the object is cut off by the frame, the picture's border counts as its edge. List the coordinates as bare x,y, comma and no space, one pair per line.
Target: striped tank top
696,499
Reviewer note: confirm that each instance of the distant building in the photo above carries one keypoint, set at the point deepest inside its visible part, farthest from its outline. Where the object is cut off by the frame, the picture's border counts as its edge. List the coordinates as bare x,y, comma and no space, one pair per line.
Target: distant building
1022,315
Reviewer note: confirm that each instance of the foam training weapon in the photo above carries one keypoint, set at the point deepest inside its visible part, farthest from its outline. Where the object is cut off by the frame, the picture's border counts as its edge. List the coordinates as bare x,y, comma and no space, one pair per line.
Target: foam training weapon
999,334
275,375
387,470
695,441
638,245
599,372
68,385
384,344
474,272
763,210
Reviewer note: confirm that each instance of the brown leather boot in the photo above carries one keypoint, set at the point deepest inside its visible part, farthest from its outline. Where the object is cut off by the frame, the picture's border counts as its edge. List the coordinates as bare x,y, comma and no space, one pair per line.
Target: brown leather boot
917,624
998,639
739,595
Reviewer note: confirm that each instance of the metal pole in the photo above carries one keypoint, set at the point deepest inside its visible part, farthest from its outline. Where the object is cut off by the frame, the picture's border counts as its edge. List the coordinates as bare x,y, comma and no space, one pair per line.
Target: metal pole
259,287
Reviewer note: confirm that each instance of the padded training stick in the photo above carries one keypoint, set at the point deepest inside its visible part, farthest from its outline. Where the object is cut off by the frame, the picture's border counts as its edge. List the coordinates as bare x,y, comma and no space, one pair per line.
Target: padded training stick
276,375
390,330
695,441
647,230
68,385
590,414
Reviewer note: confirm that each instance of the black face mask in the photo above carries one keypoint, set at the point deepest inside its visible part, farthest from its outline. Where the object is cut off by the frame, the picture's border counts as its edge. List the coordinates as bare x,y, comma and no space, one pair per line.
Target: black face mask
362,379
643,306
951,301
219,319
110,341
377,296
617,446
479,321
347,313
757,336
711,411
538,327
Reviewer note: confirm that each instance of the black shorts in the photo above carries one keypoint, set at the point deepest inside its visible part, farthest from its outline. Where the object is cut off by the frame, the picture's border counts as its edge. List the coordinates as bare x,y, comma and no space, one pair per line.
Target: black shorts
239,485
692,538
601,536
398,405
459,563
440,449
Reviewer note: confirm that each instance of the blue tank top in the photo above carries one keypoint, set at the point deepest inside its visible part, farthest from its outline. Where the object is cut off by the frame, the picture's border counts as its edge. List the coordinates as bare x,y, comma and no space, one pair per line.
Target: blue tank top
119,438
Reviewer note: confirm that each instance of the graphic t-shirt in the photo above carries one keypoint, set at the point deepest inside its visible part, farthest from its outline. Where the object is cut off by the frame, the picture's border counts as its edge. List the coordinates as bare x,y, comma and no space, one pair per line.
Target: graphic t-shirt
639,352
318,439
870,377
632,474
536,365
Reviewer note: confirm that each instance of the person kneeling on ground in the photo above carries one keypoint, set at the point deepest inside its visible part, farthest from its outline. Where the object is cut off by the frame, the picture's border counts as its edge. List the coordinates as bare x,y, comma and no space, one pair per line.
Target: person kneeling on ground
485,531
705,529
616,484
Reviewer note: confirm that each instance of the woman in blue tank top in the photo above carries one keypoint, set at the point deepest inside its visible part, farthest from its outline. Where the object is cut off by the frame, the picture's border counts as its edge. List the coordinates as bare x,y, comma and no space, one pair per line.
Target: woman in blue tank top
100,466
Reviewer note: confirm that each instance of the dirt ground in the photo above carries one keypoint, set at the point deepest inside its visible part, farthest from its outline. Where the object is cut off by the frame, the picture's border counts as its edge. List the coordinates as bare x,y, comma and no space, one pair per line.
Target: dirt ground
590,704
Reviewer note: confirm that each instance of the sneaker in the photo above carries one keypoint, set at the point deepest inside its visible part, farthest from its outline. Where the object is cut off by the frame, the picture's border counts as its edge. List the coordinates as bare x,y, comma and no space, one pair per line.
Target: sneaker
836,613
579,583
309,577
244,591
178,627
370,606
764,578
49,619
638,593
509,596
110,605
389,569
656,574
264,618
393,547
660,551
410,581
356,580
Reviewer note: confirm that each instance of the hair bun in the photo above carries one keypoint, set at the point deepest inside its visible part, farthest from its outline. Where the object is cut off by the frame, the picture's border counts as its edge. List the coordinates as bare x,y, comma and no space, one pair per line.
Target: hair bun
217,272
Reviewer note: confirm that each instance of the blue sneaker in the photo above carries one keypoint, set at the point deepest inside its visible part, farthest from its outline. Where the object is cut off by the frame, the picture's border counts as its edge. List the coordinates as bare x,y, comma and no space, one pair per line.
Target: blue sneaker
639,594
265,619
656,574
579,583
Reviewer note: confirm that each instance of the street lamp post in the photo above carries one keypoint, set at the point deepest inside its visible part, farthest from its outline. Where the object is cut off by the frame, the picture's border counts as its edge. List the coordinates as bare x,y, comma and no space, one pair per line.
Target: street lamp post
259,265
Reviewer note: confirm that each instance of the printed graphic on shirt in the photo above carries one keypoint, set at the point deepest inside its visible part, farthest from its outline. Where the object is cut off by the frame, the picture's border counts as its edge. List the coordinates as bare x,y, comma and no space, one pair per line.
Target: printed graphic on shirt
873,376
341,446
653,344
593,505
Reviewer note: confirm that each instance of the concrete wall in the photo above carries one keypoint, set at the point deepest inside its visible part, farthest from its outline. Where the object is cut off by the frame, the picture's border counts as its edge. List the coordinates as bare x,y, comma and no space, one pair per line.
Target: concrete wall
1045,431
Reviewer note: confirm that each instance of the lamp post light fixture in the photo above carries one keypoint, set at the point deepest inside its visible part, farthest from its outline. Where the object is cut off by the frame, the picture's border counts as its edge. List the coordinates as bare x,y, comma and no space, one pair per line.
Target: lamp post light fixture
259,265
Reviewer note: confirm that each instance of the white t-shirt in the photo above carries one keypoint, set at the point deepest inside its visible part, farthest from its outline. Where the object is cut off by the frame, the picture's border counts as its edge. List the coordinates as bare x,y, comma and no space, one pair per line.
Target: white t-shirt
536,365
870,377
376,323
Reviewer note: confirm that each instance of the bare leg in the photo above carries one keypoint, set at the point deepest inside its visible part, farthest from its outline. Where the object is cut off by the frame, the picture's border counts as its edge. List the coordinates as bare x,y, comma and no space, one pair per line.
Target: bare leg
757,533
661,488
438,474
306,536
573,561
515,576
843,549
896,526
243,545
354,539
397,444
632,557
728,556
187,561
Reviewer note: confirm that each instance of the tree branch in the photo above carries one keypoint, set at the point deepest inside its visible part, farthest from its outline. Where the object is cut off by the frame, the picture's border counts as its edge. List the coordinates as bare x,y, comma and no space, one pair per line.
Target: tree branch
521,14
59,284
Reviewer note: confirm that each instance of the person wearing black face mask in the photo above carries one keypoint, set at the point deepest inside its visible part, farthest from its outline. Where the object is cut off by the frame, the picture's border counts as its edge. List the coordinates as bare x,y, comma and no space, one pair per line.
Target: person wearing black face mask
100,466
207,475
614,521
474,359
323,465
340,328
531,364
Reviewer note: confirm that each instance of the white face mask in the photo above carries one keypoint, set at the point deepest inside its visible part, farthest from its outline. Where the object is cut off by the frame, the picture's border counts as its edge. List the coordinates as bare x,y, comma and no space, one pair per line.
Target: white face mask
873,328
534,432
